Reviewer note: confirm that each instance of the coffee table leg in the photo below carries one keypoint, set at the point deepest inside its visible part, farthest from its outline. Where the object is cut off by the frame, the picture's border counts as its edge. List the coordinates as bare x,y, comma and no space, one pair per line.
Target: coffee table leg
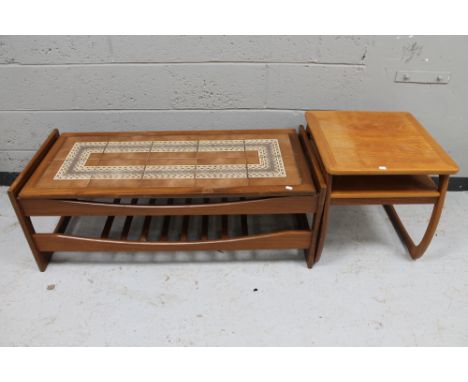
322,232
315,230
42,258
416,251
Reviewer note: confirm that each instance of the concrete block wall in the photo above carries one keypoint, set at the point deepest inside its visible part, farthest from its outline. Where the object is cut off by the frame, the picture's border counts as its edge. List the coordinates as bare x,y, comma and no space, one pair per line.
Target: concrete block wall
118,83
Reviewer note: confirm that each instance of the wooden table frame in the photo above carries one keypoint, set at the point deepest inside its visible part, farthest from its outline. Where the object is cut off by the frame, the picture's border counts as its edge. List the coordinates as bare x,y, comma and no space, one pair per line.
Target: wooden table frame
373,192
43,245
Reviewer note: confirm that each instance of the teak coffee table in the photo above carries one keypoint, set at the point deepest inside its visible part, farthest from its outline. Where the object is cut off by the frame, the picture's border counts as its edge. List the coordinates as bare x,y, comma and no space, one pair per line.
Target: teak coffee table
221,178
379,158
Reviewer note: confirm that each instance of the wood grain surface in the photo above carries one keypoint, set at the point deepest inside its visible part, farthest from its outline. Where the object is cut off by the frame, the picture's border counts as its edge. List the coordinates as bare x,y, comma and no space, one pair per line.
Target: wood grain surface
376,143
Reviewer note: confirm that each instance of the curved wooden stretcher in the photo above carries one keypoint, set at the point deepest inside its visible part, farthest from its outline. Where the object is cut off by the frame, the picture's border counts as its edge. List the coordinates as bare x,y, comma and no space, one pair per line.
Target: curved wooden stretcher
416,251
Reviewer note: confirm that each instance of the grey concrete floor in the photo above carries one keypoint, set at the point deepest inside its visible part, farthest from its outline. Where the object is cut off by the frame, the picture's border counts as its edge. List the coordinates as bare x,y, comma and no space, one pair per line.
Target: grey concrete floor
364,291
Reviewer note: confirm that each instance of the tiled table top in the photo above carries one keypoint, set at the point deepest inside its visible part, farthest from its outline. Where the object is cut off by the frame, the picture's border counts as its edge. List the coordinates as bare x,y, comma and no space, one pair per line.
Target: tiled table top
157,163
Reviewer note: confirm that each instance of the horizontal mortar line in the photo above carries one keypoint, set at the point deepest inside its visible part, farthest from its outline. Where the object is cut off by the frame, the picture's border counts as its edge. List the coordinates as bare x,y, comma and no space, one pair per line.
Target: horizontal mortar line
144,110
311,63
17,150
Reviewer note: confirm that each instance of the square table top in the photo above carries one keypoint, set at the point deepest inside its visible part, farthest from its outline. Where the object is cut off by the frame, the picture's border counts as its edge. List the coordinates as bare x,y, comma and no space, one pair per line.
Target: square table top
376,143
171,164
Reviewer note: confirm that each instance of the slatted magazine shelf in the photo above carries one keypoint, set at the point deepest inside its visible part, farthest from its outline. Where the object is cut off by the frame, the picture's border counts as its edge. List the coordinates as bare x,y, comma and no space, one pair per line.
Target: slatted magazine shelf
170,226
152,191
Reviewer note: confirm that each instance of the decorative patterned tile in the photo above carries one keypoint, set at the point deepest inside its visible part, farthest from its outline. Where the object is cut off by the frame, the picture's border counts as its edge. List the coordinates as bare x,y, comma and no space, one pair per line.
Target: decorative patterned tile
128,147
221,145
118,172
174,146
74,166
270,160
230,165
221,171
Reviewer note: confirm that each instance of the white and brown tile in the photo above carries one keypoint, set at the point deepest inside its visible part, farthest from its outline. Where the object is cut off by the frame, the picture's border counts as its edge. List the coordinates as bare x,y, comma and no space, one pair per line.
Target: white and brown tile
232,164
270,160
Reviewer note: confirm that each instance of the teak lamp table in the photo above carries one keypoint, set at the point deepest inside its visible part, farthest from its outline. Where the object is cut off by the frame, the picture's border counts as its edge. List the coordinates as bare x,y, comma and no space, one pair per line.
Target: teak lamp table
221,178
383,158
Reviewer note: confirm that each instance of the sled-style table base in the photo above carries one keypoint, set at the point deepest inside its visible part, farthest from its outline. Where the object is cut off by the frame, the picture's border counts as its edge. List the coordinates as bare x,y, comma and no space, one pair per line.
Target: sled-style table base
383,158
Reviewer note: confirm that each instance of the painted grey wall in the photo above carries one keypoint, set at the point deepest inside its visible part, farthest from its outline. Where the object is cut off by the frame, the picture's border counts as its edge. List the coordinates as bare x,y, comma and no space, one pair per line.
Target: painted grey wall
117,83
